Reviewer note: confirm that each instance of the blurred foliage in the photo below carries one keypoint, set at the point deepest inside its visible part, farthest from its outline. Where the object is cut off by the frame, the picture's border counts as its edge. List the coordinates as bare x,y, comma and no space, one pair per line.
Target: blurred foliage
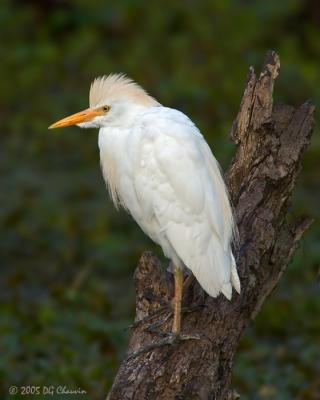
67,257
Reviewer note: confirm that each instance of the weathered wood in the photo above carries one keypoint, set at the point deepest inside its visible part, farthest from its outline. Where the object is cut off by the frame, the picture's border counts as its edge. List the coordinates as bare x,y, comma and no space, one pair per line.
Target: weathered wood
271,141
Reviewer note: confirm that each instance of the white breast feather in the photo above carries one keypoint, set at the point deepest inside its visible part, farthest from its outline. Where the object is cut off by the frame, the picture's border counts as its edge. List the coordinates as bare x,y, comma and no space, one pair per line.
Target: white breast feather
179,181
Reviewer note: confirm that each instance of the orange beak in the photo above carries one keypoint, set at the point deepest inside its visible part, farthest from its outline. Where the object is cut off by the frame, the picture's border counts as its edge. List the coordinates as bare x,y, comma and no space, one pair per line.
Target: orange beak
82,116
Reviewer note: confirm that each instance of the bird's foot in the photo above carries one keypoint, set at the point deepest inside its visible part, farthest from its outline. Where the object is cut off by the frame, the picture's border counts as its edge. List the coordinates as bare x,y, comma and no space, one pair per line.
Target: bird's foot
152,328
166,311
169,339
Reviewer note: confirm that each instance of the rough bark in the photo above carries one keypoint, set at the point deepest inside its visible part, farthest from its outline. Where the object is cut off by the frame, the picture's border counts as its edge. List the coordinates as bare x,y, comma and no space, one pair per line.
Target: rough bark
270,143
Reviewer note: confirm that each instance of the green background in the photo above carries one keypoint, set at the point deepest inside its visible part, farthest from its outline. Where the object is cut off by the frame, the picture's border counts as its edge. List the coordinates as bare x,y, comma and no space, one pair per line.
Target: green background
66,256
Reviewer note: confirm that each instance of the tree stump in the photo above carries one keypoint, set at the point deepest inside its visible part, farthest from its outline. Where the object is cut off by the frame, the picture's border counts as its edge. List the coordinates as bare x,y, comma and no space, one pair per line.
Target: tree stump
270,143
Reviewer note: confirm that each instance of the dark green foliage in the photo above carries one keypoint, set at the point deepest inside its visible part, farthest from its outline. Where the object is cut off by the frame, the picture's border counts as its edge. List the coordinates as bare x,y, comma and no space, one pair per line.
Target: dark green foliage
67,256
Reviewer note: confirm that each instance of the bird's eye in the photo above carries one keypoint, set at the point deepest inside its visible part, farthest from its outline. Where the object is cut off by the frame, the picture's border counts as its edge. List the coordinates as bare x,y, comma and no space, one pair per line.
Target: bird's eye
105,108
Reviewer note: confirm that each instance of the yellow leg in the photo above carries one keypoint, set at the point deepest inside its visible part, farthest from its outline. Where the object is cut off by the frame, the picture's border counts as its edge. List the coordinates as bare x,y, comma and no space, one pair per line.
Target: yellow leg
178,288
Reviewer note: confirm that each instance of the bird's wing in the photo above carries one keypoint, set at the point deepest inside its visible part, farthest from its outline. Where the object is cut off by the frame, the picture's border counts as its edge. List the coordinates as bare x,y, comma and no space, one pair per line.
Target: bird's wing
180,184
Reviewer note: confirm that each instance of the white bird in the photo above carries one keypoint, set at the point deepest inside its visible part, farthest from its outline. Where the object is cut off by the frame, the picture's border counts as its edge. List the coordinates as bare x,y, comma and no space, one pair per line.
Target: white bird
158,166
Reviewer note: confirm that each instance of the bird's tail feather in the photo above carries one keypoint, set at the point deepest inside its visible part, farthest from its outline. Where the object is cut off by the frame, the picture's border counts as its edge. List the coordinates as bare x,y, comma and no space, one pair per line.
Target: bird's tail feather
234,276
213,266
216,271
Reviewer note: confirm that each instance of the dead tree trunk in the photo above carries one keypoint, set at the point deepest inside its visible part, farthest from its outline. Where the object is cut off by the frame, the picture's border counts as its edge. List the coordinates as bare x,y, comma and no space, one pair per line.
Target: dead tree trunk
271,140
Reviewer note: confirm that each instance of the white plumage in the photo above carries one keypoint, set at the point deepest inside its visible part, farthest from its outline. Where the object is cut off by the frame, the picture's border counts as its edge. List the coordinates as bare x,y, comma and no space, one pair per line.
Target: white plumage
163,172
158,166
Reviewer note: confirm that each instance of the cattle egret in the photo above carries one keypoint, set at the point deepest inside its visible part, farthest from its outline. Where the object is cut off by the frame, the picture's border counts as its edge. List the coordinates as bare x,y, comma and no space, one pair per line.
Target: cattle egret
158,166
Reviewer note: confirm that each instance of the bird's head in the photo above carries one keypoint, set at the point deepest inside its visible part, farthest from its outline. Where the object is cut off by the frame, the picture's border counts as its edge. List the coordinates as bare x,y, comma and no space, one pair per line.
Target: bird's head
114,100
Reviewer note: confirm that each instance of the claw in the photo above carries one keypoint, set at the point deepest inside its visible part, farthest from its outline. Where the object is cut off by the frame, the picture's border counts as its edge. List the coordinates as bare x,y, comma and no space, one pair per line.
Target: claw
171,339
152,328
159,311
